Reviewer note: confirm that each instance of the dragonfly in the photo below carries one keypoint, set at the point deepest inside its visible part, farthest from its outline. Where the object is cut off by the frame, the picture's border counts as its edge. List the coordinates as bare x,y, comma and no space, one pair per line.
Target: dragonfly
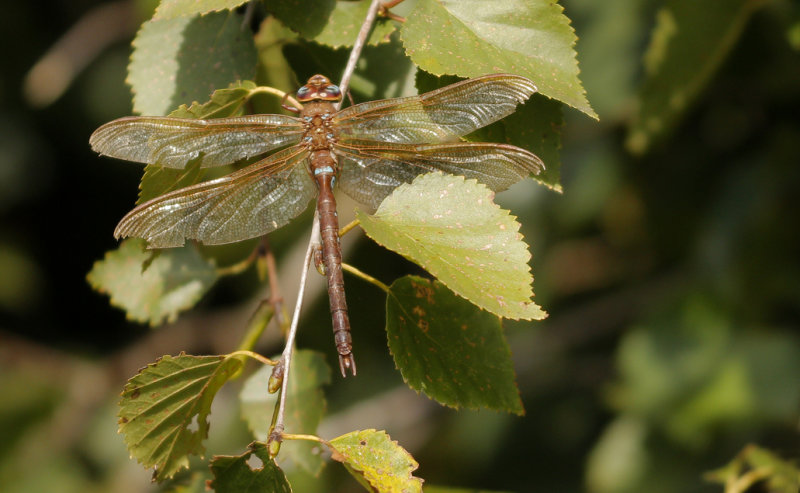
366,150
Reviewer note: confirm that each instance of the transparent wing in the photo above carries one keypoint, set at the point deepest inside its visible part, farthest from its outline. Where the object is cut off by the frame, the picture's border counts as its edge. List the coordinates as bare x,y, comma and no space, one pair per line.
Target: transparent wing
247,203
442,115
371,171
172,142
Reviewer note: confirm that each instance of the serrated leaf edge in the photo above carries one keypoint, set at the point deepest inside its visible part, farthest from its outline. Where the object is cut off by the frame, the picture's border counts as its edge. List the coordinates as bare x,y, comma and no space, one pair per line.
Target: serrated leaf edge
516,225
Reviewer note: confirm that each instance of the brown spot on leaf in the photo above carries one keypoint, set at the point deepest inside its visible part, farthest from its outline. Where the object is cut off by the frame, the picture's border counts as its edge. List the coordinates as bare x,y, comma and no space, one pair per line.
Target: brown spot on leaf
135,394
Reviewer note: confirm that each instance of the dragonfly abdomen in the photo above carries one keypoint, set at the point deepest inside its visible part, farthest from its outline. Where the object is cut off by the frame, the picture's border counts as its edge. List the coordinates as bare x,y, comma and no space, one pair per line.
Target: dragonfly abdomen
323,168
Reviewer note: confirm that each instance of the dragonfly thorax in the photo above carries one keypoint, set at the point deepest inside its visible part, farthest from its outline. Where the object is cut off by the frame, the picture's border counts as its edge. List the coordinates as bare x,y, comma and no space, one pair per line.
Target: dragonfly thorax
319,132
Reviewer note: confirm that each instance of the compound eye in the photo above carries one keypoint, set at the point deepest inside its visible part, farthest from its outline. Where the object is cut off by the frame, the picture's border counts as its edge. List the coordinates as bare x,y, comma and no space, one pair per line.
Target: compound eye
304,93
331,93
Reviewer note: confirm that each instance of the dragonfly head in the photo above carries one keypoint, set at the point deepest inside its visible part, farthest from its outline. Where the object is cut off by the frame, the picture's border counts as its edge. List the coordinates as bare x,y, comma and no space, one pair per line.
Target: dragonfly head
319,88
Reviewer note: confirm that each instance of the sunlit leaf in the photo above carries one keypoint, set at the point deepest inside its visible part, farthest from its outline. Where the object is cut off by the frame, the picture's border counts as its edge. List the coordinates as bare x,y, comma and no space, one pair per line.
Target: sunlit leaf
535,126
251,472
164,409
448,348
305,403
377,462
472,37
174,280
169,9
452,228
689,43
329,22
177,61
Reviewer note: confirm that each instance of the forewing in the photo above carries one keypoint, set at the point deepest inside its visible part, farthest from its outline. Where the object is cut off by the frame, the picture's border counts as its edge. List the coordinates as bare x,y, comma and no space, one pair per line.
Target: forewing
371,171
247,203
172,142
442,115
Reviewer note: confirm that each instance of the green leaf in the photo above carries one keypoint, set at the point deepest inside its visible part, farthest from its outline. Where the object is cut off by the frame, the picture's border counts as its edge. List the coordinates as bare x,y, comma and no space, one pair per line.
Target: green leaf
345,22
448,348
376,461
305,402
469,38
158,180
169,9
780,476
452,228
238,474
164,409
177,61
329,22
534,126
689,43
174,281
223,103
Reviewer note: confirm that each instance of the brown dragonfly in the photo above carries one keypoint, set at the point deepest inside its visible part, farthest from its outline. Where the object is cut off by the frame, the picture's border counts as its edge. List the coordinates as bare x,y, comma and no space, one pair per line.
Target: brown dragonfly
367,150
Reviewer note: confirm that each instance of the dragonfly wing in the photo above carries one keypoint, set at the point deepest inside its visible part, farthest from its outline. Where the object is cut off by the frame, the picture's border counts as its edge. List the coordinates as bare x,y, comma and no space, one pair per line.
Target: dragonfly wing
172,142
247,203
442,115
371,171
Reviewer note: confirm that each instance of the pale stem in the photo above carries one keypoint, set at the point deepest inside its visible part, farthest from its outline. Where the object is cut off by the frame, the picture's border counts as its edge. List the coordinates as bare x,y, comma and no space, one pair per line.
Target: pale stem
363,34
276,92
255,356
363,275
352,224
289,349
314,241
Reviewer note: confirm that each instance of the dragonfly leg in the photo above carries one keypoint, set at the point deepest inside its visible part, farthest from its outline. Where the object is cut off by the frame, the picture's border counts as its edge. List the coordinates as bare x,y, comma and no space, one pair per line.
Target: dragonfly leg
319,262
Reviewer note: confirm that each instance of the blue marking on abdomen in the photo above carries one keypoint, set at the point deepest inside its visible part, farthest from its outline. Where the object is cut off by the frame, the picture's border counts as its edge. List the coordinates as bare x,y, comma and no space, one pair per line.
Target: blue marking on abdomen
324,169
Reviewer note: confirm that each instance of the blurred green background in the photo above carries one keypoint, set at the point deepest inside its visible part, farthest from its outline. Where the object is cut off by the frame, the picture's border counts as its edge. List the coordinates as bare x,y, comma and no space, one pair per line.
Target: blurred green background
670,267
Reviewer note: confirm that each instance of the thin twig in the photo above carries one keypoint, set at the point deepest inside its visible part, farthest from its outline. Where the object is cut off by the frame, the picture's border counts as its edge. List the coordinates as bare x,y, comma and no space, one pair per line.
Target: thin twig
238,267
310,438
276,92
352,224
355,53
363,275
289,349
255,356
314,241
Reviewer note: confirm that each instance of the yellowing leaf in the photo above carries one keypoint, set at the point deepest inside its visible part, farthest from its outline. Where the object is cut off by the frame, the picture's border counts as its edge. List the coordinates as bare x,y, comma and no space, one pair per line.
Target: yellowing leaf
377,462
164,409
452,228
